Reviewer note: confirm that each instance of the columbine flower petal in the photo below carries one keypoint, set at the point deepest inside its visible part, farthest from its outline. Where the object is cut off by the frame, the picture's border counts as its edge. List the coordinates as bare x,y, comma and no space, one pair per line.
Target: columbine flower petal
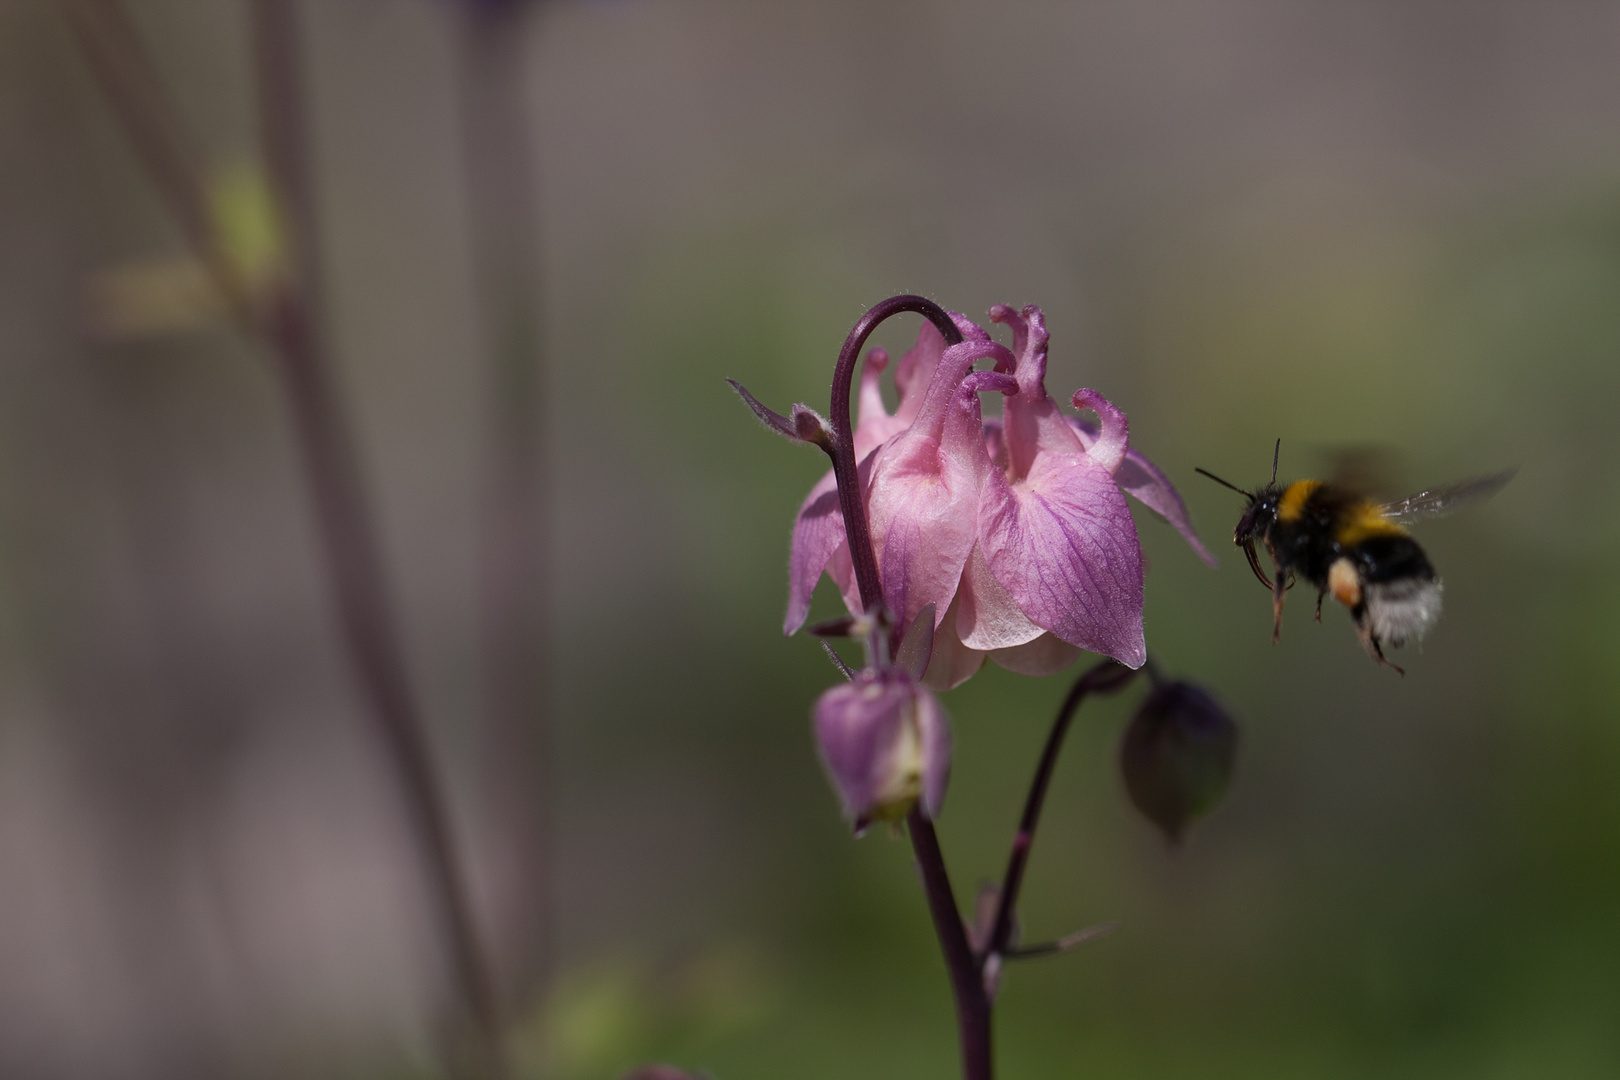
1062,543
925,485
818,531
1142,479
1053,527
952,663
988,617
1046,655
1015,530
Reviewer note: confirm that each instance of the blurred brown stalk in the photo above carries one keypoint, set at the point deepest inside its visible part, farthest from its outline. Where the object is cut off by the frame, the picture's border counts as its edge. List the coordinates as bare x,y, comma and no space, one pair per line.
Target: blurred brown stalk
286,315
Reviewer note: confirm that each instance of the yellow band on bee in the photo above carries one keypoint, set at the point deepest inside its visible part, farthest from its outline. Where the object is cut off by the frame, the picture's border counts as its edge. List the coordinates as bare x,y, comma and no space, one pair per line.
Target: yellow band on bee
1291,507
1363,522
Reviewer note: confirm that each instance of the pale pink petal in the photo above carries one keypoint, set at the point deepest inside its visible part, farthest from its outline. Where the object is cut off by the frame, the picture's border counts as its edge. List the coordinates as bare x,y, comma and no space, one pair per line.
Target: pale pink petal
917,646
1032,423
952,663
1108,450
987,616
916,370
934,731
1143,480
842,571
925,486
875,426
817,534
870,405
1063,544
1046,655
995,444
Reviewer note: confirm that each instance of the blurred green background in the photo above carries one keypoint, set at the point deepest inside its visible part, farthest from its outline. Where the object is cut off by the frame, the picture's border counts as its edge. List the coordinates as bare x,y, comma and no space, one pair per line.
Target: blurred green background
1391,223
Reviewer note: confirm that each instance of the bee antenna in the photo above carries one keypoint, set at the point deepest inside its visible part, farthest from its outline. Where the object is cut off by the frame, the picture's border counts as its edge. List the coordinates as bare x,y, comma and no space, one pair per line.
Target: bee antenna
1276,453
1224,483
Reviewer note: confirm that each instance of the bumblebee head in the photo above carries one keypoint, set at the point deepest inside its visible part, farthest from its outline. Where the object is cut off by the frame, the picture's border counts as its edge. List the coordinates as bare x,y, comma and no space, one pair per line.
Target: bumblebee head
1258,516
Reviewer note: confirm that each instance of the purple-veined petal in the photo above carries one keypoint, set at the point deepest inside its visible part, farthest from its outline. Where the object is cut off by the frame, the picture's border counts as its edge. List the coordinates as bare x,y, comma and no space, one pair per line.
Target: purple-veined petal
818,532
870,405
917,646
916,370
1032,424
1108,450
935,731
1062,543
952,663
1046,655
987,616
875,426
1147,484
925,486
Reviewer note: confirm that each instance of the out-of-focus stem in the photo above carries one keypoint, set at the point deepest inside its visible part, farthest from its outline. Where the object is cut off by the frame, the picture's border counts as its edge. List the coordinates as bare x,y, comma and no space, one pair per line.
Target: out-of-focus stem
289,320
294,324
500,174
133,91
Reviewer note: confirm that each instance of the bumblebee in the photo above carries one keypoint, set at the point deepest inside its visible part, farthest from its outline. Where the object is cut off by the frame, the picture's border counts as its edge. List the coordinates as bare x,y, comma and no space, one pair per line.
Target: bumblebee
1359,550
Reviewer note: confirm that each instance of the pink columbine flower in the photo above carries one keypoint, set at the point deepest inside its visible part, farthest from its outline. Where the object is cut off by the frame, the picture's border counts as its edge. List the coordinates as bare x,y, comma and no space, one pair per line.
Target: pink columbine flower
886,744
1015,530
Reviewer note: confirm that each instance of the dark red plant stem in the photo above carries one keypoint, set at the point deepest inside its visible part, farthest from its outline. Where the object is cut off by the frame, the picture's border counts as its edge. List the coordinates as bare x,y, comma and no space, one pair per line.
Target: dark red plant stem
843,449
293,323
1106,676
967,985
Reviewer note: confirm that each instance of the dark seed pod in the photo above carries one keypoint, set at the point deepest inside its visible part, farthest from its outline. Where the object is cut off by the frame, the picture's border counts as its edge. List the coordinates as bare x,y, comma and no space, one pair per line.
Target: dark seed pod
1177,756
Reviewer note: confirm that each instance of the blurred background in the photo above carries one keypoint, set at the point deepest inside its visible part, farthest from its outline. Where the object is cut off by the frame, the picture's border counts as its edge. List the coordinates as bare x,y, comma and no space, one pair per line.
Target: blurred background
1389,223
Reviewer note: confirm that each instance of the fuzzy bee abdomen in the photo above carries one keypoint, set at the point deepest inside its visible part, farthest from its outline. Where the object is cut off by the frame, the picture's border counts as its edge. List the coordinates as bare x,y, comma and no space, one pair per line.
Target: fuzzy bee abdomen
1400,590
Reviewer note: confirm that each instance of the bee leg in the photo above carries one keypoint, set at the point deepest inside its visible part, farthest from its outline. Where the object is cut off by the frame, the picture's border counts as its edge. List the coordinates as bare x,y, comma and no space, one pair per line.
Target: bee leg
1320,593
1370,642
1278,590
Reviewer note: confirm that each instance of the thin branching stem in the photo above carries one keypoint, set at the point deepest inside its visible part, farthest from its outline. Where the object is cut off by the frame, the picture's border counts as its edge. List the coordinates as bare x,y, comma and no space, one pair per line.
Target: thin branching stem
1105,676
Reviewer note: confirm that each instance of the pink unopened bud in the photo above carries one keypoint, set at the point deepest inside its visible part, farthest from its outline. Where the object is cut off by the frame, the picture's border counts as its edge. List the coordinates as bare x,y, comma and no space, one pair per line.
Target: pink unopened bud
886,744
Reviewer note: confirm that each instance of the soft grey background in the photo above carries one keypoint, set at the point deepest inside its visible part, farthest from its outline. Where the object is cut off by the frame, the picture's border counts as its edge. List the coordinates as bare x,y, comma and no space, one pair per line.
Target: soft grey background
1393,223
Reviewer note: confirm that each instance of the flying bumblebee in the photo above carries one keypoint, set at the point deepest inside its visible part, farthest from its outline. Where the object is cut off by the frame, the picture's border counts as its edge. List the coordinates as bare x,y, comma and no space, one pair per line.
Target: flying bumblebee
1359,550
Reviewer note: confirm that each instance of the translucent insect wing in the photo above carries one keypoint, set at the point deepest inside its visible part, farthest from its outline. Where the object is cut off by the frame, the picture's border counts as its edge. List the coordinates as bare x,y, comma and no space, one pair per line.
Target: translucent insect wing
1440,501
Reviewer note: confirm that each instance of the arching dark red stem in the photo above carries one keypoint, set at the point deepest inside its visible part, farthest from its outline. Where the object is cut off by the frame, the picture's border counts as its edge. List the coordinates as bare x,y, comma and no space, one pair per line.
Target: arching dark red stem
843,448
972,1002
1104,678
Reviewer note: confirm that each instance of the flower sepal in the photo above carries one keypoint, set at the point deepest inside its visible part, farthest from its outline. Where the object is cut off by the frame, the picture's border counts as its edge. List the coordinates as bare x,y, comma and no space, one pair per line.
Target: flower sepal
802,424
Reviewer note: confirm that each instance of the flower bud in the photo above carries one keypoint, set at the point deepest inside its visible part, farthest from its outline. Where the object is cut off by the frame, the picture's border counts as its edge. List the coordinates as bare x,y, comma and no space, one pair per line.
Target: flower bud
886,744
1177,756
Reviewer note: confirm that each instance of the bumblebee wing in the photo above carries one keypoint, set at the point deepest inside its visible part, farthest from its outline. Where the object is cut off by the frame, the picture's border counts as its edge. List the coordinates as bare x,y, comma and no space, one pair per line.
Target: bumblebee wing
1440,501
1365,469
